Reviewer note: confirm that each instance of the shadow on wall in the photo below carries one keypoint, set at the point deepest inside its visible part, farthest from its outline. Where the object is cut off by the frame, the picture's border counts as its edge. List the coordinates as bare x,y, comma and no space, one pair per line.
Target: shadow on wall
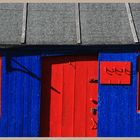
20,95
23,69
10,68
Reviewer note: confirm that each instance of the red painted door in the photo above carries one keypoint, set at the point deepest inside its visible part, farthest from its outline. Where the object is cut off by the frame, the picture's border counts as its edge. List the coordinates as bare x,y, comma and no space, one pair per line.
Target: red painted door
69,96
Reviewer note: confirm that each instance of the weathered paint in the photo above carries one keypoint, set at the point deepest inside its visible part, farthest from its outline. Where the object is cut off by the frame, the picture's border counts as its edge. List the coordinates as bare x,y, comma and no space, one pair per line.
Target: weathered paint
20,96
21,101
117,111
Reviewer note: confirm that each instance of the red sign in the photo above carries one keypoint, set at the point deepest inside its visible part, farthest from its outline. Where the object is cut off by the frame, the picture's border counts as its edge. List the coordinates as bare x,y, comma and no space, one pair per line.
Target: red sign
115,72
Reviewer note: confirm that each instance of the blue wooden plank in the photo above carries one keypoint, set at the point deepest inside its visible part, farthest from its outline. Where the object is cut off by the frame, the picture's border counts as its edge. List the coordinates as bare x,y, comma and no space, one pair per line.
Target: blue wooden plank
27,99
11,104
35,104
20,93
19,102
117,103
5,85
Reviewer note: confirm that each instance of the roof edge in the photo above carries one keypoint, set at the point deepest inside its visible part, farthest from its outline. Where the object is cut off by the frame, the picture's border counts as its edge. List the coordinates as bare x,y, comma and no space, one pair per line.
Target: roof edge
77,48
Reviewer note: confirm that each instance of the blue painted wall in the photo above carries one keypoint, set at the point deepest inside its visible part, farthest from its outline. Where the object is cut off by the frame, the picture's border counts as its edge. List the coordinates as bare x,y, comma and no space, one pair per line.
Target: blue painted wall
21,88
20,96
117,103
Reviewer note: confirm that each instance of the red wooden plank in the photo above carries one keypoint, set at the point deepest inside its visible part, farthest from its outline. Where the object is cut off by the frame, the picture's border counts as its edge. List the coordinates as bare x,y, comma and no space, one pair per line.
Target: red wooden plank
92,97
68,97
56,99
80,99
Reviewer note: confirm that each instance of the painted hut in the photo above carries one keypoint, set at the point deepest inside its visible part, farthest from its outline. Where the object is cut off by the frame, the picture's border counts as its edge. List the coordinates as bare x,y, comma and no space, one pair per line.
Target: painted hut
69,70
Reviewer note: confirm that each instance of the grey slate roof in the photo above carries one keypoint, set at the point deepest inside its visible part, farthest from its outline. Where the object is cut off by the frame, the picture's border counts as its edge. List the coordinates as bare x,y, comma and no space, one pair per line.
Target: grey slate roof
56,23
10,23
105,23
51,23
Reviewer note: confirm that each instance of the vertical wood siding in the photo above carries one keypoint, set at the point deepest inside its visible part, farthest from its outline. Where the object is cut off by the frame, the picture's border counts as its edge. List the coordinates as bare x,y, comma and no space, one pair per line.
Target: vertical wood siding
21,101
20,96
117,110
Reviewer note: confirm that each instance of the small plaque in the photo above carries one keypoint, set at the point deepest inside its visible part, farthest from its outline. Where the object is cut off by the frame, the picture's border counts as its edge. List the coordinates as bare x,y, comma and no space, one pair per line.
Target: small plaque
116,72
